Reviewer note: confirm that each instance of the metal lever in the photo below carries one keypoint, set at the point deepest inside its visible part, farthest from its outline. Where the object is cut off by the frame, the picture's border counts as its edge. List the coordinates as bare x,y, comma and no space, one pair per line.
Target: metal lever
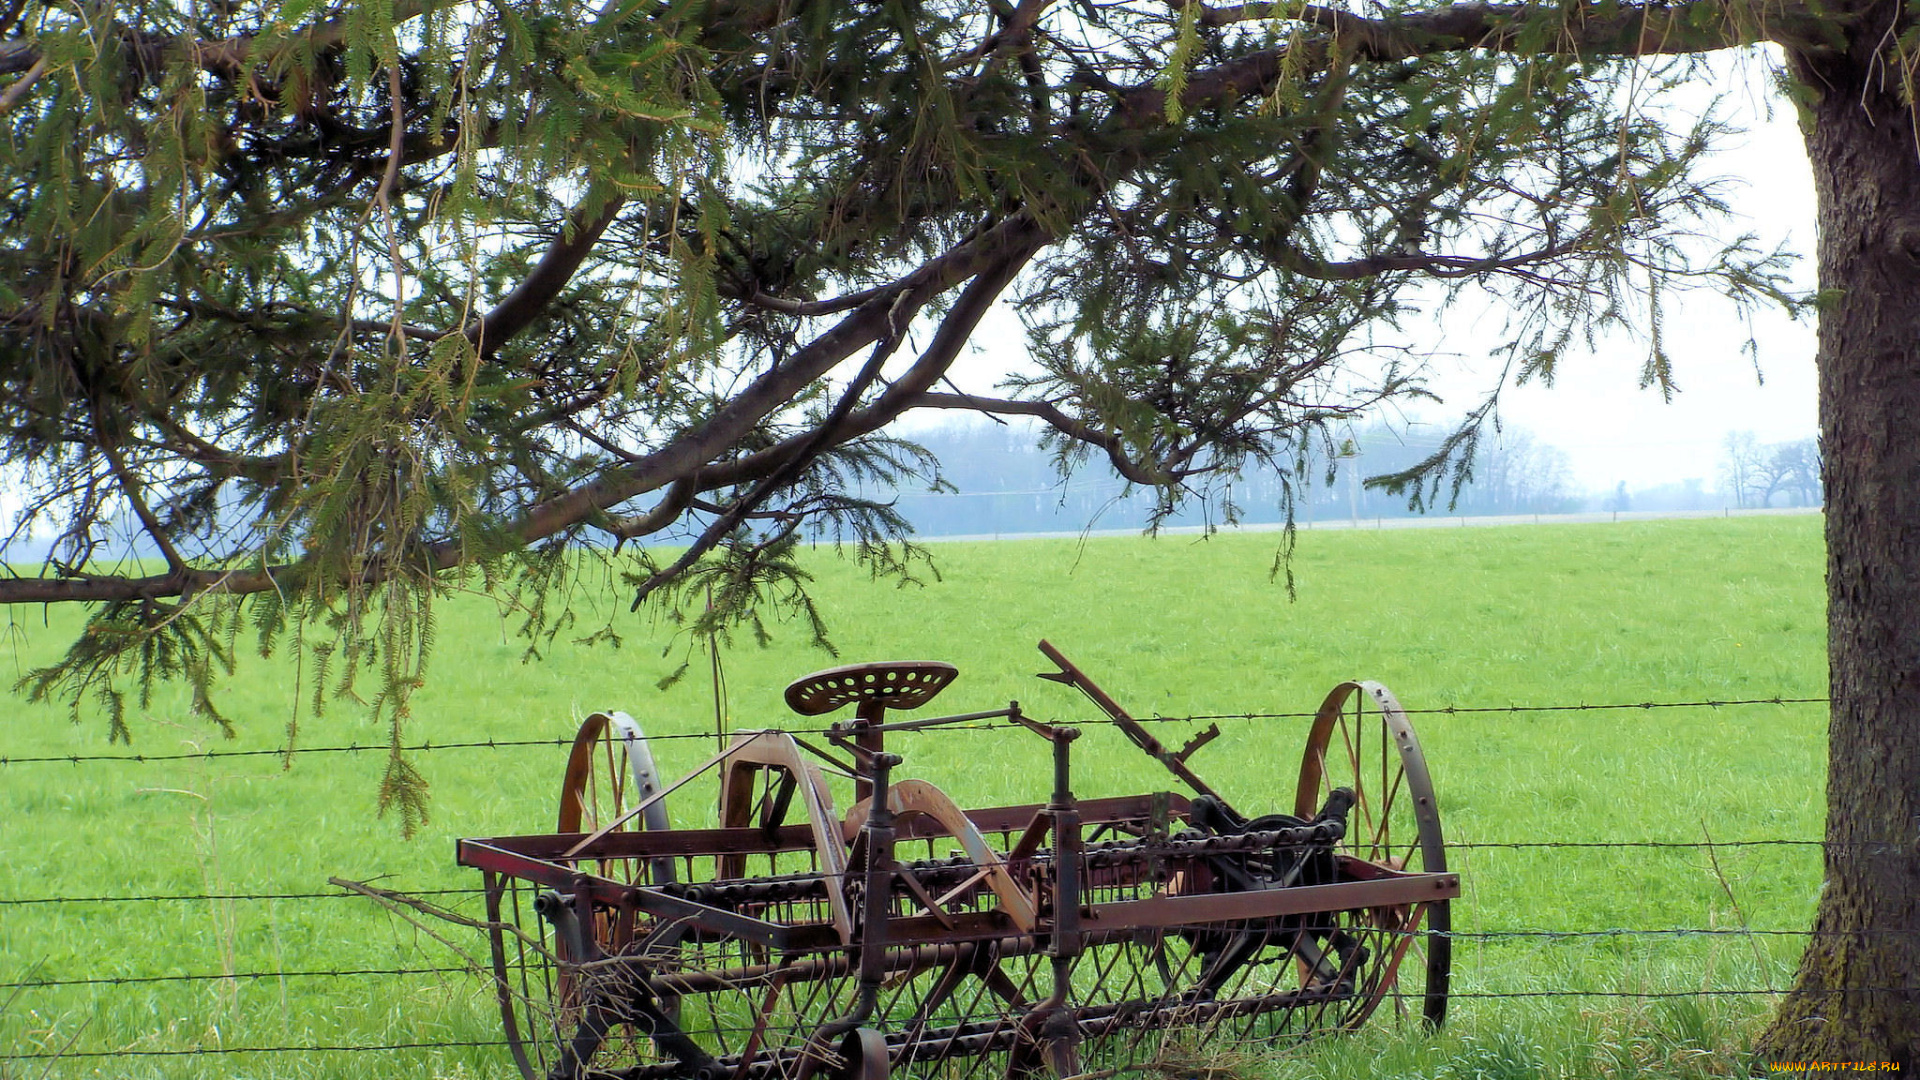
1175,762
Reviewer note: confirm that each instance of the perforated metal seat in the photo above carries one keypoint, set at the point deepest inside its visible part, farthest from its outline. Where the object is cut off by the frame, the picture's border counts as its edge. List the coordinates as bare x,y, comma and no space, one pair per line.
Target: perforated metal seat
888,684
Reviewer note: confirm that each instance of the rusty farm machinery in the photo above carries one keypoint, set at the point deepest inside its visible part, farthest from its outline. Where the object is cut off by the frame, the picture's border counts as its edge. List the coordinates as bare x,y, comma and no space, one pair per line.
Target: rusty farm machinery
908,935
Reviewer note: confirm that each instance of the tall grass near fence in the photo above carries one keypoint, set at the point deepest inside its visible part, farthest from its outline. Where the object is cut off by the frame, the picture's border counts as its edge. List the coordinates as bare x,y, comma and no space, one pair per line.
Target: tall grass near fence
1650,937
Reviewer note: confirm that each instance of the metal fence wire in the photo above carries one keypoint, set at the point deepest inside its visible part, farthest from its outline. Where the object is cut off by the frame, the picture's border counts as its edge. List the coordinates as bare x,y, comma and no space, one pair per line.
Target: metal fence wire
13,989
511,744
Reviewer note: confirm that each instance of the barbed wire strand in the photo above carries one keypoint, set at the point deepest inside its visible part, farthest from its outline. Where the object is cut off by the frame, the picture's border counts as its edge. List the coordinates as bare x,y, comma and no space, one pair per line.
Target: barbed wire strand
1456,935
1671,931
139,898
1879,846
1469,710
215,976
350,1048
1469,845
1757,992
506,744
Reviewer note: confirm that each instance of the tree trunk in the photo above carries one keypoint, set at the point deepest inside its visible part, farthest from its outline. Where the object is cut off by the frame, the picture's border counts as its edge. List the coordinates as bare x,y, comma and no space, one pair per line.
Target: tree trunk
1855,998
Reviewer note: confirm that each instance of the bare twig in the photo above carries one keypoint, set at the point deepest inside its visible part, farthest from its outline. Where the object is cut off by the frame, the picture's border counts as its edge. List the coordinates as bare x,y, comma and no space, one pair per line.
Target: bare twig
400,904
383,197
1739,915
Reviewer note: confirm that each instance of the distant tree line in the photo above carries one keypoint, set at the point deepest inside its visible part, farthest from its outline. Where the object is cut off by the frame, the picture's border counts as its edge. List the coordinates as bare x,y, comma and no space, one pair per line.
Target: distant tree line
997,481
1756,474
1000,479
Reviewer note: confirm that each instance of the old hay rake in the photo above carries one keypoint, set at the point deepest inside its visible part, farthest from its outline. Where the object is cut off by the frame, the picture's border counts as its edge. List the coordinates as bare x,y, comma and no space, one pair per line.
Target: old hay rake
1079,936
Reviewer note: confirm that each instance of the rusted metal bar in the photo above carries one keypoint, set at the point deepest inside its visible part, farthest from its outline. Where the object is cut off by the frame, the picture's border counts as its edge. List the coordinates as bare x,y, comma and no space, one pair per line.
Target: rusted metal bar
586,888
684,902
1166,911
870,741
640,845
754,841
1068,858
1074,677
1012,709
1194,744
871,941
1051,1024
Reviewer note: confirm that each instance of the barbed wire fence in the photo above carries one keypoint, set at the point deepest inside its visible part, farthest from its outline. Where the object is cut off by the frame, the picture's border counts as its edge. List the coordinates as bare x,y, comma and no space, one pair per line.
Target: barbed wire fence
510,744
12,988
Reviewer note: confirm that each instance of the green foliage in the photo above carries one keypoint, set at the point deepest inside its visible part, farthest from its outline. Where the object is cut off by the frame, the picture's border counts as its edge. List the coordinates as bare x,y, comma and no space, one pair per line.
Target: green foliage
144,641
1502,1056
327,313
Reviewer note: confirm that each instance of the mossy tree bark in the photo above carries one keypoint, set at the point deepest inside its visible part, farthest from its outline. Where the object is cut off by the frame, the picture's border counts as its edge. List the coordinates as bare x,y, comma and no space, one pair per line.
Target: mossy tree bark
1857,995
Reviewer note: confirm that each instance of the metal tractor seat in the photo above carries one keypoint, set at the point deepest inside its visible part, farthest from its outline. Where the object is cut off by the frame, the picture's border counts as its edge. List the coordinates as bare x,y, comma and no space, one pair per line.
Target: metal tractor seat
874,687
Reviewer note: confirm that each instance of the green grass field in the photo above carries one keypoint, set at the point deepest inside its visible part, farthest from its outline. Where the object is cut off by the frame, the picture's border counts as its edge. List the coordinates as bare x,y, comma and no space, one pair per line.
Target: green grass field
1547,615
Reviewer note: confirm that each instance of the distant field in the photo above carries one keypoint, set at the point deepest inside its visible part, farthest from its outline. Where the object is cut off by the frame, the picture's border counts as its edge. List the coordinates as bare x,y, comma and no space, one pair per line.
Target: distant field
1658,611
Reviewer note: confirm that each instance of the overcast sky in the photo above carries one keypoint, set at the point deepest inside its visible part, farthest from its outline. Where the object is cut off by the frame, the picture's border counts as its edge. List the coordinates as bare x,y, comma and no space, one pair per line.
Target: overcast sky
1614,431
1611,430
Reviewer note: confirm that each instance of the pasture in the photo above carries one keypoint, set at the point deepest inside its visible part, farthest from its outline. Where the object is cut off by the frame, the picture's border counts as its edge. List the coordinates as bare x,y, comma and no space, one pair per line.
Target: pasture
1667,611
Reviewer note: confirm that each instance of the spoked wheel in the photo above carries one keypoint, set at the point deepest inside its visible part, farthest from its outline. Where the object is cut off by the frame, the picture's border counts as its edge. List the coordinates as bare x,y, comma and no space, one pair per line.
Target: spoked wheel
1361,740
609,772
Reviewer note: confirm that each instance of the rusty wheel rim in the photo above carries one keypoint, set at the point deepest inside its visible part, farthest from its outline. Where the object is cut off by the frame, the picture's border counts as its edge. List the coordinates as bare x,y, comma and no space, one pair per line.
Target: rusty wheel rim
609,772
536,994
525,975
511,973
1361,739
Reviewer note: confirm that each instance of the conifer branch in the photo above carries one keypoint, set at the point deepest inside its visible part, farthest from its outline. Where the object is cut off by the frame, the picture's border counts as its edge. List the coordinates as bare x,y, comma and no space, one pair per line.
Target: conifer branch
1054,417
1643,29
229,56
18,89
519,308
322,442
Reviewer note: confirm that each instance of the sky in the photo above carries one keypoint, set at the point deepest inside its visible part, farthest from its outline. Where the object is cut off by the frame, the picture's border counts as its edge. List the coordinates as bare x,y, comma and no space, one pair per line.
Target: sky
1612,430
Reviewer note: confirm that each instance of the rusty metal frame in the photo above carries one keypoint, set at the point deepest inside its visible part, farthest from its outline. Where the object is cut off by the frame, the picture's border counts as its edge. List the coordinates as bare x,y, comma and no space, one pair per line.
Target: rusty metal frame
907,798
1055,897
777,750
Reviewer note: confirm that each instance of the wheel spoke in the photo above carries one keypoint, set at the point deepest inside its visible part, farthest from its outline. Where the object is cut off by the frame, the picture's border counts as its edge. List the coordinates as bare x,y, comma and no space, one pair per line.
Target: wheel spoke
1383,834
1383,843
